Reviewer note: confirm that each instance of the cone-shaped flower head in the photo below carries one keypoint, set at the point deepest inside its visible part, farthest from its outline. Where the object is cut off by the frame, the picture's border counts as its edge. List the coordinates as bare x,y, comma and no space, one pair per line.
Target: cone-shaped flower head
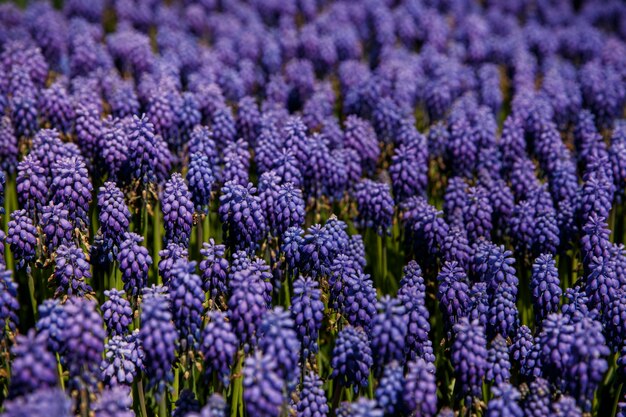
158,338
219,346
352,357
135,263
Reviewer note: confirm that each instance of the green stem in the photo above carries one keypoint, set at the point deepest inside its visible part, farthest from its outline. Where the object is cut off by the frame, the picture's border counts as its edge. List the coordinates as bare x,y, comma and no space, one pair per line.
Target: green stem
60,370
163,406
31,291
237,386
142,399
617,398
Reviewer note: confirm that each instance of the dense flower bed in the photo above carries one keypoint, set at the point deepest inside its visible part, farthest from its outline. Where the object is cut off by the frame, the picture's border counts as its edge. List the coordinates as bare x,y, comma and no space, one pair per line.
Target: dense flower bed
313,208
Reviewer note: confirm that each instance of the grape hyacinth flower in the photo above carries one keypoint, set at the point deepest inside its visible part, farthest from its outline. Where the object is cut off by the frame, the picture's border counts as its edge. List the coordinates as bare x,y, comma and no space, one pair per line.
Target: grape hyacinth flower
470,357
135,262
420,389
453,293
214,269
22,238
545,287
262,386
312,400
187,403
186,301
315,251
499,369
33,366
32,185
388,331
9,305
58,404
116,312
71,271
505,402
123,360
288,209
201,179
360,408
307,312
51,322
359,301
247,303
537,401
352,358
158,338
177,210
172,253
278,339
219,346
408,172
114,402
72,189
375,206
114,217
242,219
388,393
477,214
56,227
83,340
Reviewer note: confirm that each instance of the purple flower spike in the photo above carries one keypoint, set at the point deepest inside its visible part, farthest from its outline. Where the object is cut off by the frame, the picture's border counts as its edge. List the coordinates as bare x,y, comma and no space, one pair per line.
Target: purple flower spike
158,337
537,402
123,360
219,346
241,216
22,238
360,408
83,338
201,179
56,227
388,393
214,269
566,407
278,339
116,312
409,171
545,287
114,216
288,210
262,386
499,370
33,366
114,402
505,402
32,184
71,271
186,298
177,211
135,263
388,331
169,256
477,214
8,146
420,390
307,311
453,293
375,206
248,302
312,400
469,357
57,402
359,300
72,189
352,358
51,322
